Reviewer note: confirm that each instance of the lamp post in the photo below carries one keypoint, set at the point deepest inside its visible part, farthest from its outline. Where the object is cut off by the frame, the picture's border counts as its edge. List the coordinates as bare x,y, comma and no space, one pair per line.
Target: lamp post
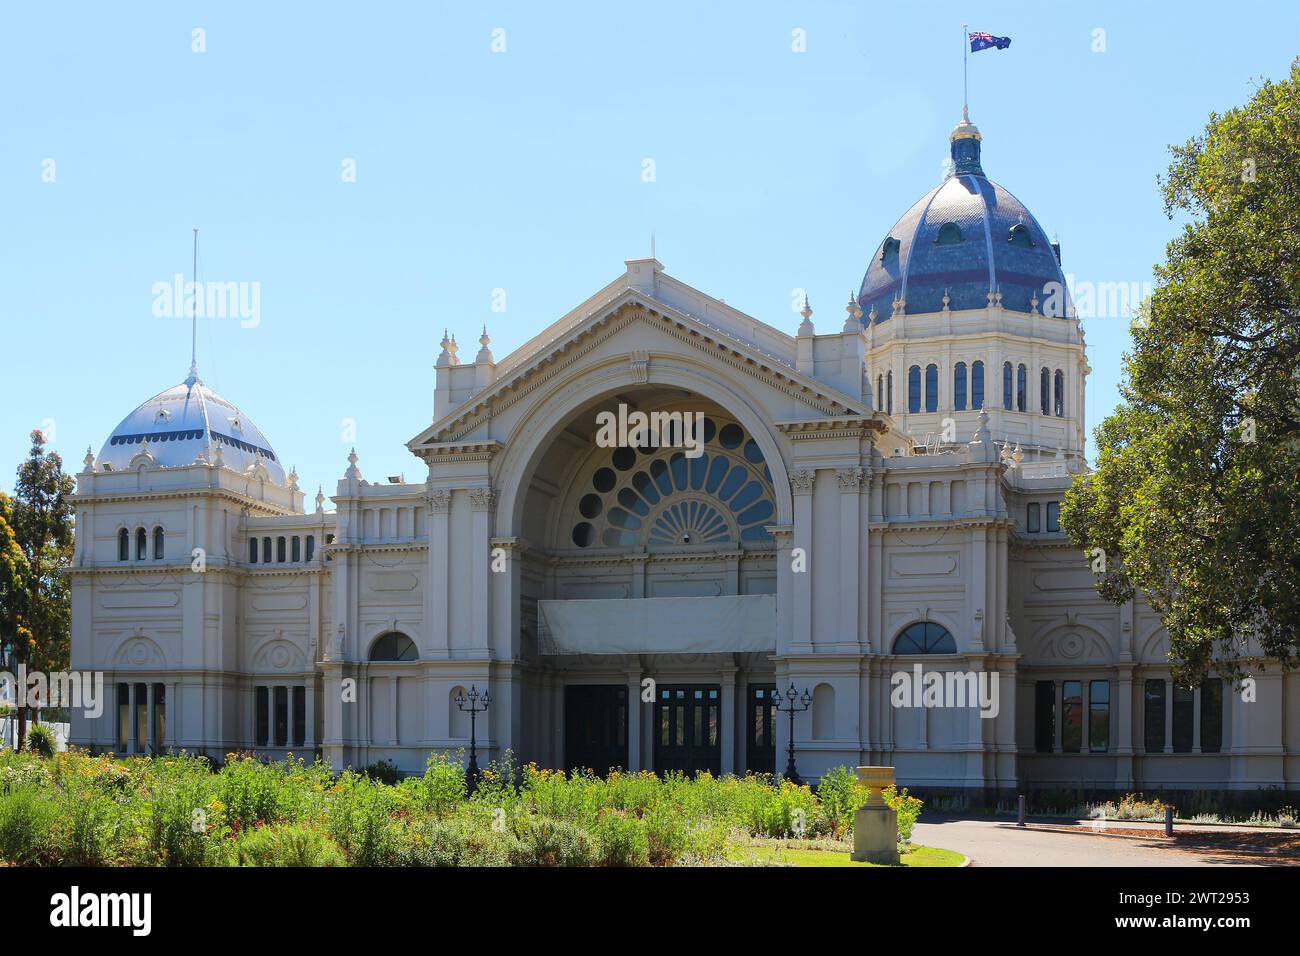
792,707
469,703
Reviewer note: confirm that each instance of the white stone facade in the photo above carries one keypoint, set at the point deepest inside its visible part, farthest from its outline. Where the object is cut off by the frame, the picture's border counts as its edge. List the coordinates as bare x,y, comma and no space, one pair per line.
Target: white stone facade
852,529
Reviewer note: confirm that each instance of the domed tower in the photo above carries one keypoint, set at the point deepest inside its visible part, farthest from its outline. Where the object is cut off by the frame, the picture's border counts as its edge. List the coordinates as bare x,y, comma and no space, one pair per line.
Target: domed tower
966,307
161,513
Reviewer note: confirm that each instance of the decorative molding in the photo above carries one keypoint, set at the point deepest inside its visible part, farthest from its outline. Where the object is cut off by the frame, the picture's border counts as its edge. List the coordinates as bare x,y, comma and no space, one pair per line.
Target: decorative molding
482,499
801,482
640,361
850,479
438,502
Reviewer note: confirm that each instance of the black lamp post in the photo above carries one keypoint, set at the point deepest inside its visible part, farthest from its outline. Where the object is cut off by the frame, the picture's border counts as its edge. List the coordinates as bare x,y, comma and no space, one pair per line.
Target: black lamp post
792,707
470,704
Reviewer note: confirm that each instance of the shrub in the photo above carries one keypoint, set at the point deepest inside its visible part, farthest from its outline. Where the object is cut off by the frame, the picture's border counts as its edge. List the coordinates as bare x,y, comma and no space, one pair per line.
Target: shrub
288,845
839,797
457,843
908,809
547,842
383,771
621,840
41,740
443,783
360,820
26,820
667,834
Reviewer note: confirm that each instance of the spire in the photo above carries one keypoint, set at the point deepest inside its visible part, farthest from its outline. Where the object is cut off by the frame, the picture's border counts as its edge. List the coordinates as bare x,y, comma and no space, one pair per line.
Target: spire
320,499
485,353
806,326
853,321
353,471
193,377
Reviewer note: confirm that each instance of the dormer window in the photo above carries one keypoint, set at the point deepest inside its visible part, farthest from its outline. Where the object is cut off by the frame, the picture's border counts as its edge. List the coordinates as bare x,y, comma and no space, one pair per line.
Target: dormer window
949,235
889,251
1020,236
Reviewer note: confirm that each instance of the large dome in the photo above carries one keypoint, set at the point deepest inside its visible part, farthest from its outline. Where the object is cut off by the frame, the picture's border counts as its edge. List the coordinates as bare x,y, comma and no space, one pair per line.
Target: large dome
970,239
190,423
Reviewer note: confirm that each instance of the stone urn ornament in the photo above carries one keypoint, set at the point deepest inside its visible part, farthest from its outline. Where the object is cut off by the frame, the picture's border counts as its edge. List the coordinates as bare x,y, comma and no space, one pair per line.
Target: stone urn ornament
875,824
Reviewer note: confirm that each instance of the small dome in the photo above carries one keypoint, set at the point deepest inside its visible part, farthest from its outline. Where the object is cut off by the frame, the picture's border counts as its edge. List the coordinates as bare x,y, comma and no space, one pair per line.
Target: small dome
187,423
965,238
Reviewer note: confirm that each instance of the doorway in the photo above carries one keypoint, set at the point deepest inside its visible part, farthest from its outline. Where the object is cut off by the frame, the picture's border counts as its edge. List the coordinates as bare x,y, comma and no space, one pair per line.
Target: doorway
595,727
688,728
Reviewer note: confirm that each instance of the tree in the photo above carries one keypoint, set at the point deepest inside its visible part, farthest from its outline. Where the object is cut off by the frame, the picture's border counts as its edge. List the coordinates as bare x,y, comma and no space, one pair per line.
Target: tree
42,524
14,574
1193,501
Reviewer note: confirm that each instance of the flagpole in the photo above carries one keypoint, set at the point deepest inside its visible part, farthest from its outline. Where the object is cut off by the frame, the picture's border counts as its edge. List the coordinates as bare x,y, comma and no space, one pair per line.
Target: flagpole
965,94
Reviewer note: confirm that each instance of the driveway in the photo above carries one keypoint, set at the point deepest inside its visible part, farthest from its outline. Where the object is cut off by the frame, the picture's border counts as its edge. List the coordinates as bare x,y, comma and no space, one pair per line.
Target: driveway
1002,843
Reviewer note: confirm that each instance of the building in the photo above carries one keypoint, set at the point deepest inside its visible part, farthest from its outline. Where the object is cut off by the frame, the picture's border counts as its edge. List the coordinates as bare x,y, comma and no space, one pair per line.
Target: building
825,511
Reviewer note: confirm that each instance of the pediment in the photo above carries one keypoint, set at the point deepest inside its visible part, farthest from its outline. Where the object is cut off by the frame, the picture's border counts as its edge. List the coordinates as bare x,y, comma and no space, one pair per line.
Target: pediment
615,317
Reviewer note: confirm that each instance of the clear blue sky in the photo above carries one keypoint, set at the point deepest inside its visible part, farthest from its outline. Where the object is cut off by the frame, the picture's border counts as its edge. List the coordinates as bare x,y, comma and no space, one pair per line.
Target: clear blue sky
521,170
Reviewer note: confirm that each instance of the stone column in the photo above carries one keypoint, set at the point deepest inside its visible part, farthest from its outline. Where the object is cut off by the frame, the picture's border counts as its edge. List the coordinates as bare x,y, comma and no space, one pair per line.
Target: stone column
133,722
482,501
437,589
634,708
727,728
151,710
850,482
309,714
392,709
801,635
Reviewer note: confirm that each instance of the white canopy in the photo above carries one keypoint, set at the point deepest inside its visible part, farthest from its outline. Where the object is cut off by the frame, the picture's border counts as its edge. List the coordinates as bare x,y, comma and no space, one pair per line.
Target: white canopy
667,625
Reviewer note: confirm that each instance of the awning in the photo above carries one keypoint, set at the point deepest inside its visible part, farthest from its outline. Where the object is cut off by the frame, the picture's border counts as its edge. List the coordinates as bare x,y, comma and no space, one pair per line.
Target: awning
667,625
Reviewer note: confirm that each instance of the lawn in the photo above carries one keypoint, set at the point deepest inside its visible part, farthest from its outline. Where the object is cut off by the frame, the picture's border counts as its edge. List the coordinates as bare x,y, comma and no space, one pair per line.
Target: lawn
822,853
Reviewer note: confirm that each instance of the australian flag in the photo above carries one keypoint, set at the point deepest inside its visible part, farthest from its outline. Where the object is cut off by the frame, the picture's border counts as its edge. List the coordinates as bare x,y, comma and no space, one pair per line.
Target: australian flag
982,41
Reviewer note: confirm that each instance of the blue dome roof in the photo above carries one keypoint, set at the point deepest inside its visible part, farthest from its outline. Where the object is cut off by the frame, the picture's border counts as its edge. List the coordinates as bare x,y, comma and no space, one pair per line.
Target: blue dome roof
966,237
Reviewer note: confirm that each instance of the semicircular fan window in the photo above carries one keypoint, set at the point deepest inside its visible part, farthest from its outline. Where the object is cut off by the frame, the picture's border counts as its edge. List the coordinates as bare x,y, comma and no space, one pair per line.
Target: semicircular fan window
659,498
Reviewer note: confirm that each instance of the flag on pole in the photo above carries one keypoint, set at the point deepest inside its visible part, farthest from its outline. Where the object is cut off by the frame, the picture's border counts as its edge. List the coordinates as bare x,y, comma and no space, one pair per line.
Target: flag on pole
982,41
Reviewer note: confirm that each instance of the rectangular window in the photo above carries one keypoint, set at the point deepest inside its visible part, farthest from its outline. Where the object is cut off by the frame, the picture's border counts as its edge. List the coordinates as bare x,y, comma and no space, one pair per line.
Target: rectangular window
1053,516
299,715
1033,518
1212,716
1099,716
159,717
1184,715
296,551
266,550
1072,716
914,389
141,717
263,722
1154,717
1044,716
977,386
123,717
281,716
311,546
279,550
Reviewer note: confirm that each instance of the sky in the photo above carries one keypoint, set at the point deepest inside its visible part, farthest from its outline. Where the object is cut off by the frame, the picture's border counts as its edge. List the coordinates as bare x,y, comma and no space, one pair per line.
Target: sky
377,172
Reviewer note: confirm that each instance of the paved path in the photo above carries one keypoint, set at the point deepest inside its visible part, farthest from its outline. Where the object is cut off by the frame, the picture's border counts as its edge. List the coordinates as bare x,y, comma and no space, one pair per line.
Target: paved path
1001,843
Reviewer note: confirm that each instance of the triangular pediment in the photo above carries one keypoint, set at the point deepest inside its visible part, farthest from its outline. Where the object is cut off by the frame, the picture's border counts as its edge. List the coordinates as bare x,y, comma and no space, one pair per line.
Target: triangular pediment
546,356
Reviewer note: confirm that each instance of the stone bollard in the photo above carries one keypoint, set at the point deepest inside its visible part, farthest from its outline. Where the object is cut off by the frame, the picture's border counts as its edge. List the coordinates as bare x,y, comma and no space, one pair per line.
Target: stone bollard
875,824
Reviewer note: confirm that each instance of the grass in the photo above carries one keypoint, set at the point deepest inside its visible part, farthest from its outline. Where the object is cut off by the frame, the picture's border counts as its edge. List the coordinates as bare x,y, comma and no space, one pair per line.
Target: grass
824,853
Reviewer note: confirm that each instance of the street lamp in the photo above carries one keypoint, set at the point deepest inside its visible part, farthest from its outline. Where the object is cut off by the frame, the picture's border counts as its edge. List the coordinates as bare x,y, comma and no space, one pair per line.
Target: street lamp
792,706
470,704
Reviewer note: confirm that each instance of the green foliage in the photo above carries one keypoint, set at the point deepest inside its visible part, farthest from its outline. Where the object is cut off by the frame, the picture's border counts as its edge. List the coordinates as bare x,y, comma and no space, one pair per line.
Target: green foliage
544,841
839,796
27,818
443,783
41,741
1193,500
384,771
287,846
622,840
908,809
361,820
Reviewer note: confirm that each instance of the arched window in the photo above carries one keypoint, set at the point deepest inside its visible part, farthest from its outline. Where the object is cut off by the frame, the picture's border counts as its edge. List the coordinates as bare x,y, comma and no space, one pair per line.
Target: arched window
394,646
124,545
880,393
1006,386
1044,390
914,389
252,551
266,550
932,388
925,637
1020,236
889,251
1022,386
141,544
1060,393
949,234
295,552
158,543
959,386
279,550
823,712
889,392
977,386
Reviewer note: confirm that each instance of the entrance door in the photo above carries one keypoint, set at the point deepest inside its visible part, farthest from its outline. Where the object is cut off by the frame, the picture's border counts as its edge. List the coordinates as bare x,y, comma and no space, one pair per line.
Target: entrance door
760,752
595,727
688,728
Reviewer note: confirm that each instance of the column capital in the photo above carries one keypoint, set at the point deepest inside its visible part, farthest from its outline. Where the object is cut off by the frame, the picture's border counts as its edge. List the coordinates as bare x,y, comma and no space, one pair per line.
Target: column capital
850,479
482,499
801,482
438,502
